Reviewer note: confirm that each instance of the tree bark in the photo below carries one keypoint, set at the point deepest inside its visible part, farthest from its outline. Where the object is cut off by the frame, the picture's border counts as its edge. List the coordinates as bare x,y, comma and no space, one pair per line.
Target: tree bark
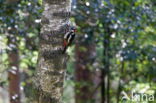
120,79
13,58
51,62
106,71
13,74
14,79
103,87
83,74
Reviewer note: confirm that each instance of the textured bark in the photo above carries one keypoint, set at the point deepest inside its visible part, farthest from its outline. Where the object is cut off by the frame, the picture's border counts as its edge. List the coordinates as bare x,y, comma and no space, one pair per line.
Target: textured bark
51,62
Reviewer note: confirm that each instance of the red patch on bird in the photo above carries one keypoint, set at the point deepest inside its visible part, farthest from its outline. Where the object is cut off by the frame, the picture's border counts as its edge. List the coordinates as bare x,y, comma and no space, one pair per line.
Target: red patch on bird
65,43
75,30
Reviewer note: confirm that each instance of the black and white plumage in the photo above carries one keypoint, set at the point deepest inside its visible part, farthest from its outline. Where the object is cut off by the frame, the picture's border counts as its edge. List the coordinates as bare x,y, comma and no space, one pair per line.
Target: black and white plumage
68,38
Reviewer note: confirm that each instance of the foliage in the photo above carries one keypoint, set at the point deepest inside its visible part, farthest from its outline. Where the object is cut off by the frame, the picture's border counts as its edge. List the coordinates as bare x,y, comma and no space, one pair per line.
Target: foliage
132,25
132,43
19,20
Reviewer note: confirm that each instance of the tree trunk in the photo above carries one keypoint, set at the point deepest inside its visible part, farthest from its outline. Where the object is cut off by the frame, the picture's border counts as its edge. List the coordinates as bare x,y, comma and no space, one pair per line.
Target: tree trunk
84,75
13,74
120,79
13,57
103,87
51,61
106,70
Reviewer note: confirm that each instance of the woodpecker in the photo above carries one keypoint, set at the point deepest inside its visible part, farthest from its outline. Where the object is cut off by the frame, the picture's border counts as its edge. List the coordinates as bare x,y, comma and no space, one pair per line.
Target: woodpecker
68,38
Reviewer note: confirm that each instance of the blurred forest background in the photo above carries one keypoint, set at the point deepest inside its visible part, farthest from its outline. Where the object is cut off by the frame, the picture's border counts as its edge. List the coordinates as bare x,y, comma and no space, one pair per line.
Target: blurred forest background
114,52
